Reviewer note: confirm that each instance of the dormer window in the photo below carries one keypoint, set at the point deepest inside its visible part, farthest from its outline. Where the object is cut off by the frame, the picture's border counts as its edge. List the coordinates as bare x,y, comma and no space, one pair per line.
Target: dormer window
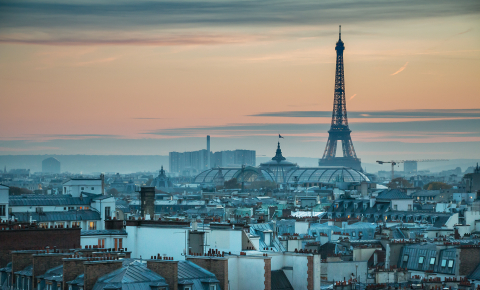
365,206
420,260
355,206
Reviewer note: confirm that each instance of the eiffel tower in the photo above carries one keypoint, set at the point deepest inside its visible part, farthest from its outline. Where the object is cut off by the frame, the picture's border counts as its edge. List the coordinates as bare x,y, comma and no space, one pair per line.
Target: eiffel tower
339,130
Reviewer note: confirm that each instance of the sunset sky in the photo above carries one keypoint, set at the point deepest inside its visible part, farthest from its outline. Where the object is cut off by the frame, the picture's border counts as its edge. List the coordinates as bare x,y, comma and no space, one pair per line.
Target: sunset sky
149,77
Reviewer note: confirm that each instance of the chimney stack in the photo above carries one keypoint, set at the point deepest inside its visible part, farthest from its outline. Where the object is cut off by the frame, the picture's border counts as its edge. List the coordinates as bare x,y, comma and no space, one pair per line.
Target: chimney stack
168,269
147,201
96,269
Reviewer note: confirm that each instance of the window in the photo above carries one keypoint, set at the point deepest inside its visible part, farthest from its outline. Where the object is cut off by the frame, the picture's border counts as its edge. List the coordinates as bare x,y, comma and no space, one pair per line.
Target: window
3,210
82,188
187,288
213,287
76,224
450,263
409,207
405,258
101,243
420,260
92,225
354,234
118,242
107,212
395,207
92,188
65,190
71,208
432,261
444,262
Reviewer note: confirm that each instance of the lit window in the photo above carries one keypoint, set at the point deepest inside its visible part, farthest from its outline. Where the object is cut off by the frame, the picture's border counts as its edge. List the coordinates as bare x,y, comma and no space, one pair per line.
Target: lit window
444,262
92,225
420,260
432,261
450,263
405,258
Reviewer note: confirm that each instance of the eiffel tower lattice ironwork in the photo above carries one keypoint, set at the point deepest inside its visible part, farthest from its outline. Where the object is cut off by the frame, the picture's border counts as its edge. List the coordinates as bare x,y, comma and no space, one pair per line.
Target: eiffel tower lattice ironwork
339,130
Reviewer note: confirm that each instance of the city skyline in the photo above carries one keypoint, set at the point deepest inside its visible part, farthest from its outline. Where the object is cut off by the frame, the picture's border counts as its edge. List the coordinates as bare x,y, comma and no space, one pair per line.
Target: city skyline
78,80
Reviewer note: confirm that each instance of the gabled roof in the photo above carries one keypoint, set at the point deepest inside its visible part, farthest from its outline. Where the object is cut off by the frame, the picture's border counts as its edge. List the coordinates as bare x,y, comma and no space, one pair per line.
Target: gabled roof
27,271
132,276
190,271
53,273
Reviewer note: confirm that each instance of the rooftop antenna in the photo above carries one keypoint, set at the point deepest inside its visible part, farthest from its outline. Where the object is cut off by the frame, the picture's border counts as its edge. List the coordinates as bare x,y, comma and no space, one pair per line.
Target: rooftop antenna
339,32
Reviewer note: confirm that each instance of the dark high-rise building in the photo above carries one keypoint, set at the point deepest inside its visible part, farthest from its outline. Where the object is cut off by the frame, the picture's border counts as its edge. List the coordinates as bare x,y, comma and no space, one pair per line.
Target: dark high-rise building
339,130
51,165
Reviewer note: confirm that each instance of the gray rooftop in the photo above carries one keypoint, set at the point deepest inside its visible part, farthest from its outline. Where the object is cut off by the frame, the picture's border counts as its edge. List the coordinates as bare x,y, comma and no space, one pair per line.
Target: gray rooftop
393,194
103,232
46,200
52,216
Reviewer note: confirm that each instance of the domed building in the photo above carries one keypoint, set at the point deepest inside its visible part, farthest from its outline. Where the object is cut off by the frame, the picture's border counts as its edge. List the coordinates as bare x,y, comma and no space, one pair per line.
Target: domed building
161,182
315,176
278,167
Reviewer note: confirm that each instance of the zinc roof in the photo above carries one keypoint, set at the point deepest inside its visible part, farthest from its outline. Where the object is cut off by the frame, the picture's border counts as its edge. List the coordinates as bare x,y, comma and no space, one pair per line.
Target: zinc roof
52,216
46,200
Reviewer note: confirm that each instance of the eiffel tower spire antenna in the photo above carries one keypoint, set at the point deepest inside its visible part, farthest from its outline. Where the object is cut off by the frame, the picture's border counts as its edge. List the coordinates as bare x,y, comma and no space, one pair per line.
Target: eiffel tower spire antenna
339,130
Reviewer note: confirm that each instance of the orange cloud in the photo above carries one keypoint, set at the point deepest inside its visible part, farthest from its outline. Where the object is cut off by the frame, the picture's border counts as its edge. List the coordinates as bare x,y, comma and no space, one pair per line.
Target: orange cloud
400,70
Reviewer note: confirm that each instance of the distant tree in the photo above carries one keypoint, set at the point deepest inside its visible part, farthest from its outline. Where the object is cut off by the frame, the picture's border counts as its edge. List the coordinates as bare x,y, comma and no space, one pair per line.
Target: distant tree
19,191
399,182
113,191
436,186
231,184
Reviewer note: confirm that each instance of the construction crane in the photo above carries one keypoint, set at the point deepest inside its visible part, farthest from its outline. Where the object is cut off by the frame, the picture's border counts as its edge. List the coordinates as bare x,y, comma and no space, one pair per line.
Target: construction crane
395,162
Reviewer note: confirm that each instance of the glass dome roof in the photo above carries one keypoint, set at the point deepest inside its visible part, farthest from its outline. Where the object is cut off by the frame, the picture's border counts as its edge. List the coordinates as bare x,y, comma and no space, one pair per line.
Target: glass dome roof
325,175
250,174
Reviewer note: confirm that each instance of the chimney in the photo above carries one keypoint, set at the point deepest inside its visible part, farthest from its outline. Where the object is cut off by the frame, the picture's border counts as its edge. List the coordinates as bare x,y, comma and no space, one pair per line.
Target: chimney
216,265
168,269
20,260
44,262
387,256
102,177
96,269
208,151
71,269
147,201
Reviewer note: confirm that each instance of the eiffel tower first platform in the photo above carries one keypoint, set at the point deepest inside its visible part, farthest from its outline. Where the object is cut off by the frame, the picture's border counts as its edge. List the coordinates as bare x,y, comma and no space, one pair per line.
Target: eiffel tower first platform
339,130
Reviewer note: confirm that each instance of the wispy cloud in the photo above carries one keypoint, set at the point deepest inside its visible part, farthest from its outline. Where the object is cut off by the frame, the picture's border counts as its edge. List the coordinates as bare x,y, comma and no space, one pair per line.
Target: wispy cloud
469,128
400,70
429,113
